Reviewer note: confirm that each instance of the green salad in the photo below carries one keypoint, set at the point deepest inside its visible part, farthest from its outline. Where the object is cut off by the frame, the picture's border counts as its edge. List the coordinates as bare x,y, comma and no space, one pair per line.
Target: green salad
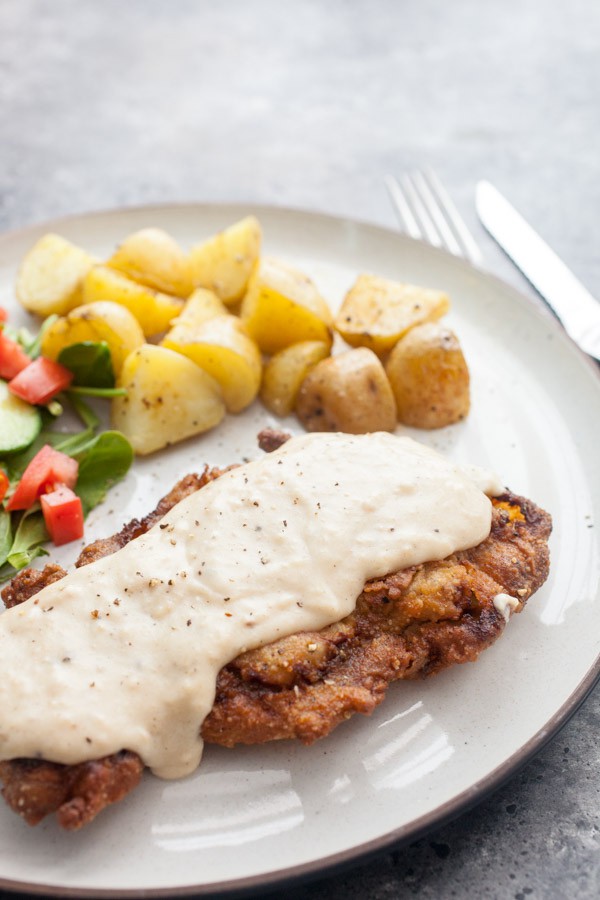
51,475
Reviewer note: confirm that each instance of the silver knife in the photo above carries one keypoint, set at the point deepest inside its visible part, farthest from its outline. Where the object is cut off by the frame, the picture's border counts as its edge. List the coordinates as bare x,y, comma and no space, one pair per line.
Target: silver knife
578,311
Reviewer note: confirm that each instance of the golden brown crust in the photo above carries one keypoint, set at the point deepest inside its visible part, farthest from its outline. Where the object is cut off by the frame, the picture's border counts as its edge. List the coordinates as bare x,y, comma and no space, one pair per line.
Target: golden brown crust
270,439
35,788
28,582
407,625
410,624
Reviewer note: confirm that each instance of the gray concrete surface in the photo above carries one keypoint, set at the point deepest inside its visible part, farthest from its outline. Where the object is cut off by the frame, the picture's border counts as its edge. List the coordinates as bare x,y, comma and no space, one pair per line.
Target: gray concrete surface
309,104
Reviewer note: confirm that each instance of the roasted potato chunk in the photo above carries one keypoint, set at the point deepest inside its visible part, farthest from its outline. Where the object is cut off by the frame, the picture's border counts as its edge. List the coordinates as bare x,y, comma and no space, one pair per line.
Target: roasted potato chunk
153,257
283,307
429,377
153,309
199,307
285,372
168,399
103,321
51,274
376,312
349,392
225,262
222,348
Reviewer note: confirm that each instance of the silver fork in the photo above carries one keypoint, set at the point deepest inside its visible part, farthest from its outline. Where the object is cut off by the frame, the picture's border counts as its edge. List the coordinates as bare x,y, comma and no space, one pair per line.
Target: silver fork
425,210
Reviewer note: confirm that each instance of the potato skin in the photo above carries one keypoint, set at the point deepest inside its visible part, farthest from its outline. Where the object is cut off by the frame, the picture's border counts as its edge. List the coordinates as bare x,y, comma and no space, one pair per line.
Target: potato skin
101,321
153,257
285,372
153,309
283,306
50,276
199,307
429,377
350,393
221,346
225,262
377,312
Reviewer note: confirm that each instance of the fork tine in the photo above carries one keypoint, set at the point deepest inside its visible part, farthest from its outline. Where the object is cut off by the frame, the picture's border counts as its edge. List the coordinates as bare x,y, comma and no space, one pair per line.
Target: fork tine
421,213
436,212
465,238
426,211
403,211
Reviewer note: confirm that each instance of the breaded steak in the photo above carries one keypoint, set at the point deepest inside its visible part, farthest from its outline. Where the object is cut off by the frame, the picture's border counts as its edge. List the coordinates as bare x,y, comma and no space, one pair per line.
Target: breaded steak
408,624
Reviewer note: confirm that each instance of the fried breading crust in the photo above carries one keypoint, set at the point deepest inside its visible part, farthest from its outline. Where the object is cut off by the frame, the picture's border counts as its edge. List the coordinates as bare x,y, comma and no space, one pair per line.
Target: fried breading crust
35,788
407,625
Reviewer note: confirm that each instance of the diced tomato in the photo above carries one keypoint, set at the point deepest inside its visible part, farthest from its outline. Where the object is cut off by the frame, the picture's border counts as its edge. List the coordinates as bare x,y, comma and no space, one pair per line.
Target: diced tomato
63,514
3,314
40,381
4,482
13,358
47,468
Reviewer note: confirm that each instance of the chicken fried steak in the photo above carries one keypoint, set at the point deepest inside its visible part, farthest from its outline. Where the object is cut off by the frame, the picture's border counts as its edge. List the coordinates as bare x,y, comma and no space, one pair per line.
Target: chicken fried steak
409,624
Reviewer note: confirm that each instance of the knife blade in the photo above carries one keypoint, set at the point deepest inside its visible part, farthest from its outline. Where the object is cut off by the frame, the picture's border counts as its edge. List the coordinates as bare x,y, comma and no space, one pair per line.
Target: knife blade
576,308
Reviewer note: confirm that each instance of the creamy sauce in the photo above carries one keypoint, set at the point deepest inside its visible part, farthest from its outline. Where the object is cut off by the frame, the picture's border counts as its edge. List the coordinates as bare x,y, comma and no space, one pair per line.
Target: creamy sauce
124,653
505,605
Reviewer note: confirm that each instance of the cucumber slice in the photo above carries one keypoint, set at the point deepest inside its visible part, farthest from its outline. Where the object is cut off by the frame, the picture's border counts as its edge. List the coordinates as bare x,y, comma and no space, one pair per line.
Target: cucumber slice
20,423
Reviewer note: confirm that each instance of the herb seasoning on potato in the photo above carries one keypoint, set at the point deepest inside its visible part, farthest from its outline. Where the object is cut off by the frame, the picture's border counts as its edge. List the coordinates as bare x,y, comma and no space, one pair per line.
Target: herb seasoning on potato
377,312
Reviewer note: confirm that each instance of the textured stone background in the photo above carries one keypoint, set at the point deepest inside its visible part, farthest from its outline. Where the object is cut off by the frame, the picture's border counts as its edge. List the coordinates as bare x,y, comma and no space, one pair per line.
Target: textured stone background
309,104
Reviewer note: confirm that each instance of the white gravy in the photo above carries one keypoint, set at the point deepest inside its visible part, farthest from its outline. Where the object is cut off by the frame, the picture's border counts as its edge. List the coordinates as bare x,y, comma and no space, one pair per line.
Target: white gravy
505,605
124,653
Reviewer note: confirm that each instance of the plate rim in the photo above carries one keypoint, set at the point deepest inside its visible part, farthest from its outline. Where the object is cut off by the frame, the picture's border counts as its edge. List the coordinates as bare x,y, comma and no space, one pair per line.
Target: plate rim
450,809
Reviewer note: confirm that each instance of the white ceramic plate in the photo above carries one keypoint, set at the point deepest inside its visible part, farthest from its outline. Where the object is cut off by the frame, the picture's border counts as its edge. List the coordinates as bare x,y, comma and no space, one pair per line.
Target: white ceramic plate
256,816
